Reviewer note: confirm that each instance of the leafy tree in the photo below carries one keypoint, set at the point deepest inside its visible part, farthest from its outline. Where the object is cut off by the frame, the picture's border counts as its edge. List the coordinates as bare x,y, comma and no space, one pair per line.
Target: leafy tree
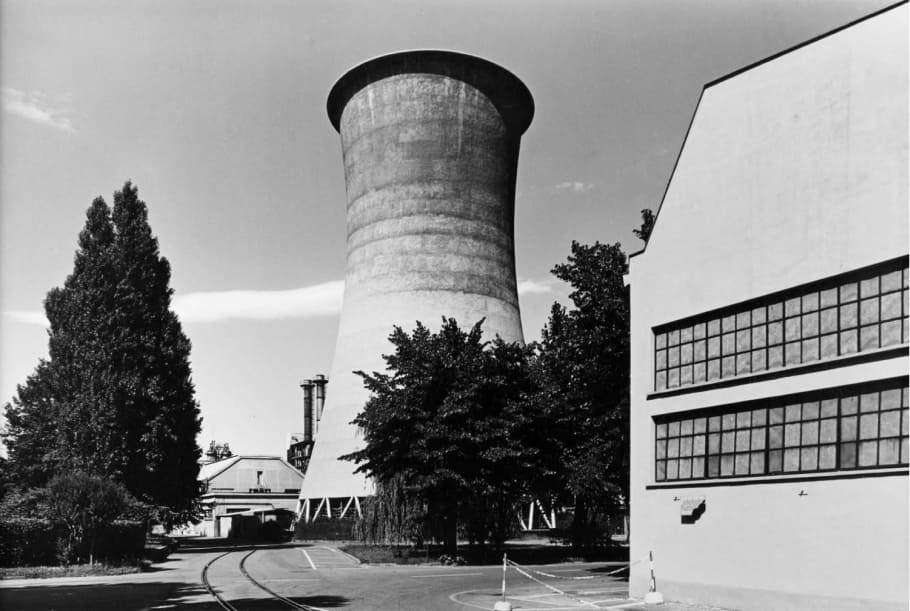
583,372
115,397
446,427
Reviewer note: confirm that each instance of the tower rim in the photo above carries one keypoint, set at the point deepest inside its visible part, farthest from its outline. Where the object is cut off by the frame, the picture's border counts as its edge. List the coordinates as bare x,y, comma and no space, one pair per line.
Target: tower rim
507,92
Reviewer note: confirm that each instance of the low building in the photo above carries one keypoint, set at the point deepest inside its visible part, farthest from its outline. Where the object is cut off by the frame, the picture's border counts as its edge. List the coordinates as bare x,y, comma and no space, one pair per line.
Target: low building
769,338
259,486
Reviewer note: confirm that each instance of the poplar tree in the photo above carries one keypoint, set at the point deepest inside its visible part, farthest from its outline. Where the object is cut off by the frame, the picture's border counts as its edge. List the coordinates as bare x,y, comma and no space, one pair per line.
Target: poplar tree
115,397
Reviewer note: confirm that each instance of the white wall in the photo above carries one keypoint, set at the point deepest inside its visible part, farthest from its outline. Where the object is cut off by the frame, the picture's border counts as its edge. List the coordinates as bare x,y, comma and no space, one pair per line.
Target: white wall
793,171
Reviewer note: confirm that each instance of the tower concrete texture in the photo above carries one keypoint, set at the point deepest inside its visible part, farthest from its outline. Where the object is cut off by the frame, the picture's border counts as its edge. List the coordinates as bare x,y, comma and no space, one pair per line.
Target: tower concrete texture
430,144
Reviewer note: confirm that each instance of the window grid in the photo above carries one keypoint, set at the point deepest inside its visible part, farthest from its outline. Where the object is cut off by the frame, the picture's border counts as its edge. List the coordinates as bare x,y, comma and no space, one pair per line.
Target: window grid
839,318
843,429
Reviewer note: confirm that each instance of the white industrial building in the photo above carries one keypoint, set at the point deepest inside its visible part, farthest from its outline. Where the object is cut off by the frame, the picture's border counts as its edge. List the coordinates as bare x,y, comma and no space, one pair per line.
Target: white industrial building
769,407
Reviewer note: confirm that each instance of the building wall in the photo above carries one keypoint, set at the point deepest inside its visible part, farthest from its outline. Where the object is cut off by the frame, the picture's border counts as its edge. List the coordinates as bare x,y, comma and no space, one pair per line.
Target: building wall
793,171
241,477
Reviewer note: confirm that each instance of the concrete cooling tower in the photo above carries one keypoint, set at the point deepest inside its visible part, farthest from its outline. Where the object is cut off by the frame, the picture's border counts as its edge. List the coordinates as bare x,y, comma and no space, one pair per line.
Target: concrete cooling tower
430,145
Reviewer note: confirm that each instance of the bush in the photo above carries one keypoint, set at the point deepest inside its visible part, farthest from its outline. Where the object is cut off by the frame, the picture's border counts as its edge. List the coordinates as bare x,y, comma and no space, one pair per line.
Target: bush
28,541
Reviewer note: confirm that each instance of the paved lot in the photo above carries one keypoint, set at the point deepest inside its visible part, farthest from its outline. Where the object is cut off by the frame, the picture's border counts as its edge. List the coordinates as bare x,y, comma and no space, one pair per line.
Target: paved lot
322,577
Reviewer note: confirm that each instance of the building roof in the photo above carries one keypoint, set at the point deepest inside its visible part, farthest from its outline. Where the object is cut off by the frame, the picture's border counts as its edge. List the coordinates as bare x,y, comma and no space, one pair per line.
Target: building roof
211,470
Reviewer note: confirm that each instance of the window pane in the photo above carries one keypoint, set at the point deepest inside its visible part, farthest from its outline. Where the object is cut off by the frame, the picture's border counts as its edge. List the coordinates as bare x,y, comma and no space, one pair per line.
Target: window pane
868,402
673,448
685,468
758,439
759,360
661,470
758,416
757,466
793,353
727,440
891,333
661,450
743,419
714,466
698,467
714,443
828,408
904,451
758,315
810,350
868,426
868,337
775,333
848,342
848,428
743,363
828,320
685,354
673,357
673,337
791,459
847,455
742,464
660,360
728,323
890,399
776,415
672,469
828,297
685,427
775,463
726,465
698,445
673,378
673,429
743,340
775,357
700,425
698,372
660,341
742,440
869,286
698,331
849,405
685,335
728,345
828,431
810,324
905,425
867,453
713,369
700,350
685,446
791,307
848,316
685,375
758,336
826,457
714,347
714,423
810,302
809,433
775,436
791,435
891,306
868,311
890,424
714,327
743,320
828,347
888,451
729,421
809,459
775,311
891,281
660,382
849,292
793,412
727,367
791,329
810,410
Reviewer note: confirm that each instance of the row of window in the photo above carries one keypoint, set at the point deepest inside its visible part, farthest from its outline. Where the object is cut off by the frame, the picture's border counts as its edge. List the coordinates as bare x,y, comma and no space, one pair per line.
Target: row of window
837,429
863,311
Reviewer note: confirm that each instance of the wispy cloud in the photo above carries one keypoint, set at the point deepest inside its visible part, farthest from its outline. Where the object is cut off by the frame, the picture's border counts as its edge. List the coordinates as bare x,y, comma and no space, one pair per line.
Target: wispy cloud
575,186
216,306
35,106
307,302
533,287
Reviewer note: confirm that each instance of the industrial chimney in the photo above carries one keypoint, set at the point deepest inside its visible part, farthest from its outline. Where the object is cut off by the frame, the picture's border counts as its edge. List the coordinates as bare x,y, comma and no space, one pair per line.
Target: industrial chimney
430,145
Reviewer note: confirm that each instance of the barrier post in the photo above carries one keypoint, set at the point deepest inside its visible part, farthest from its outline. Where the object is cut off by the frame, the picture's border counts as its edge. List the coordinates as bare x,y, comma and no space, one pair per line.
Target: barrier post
503,605
653,597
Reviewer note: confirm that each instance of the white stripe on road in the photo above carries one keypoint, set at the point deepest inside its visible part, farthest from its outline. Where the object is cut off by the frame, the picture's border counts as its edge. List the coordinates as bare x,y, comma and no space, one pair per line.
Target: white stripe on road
445,575
308,559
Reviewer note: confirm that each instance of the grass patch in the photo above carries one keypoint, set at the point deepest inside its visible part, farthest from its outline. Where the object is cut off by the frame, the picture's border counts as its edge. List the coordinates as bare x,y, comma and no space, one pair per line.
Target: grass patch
75,570
474,555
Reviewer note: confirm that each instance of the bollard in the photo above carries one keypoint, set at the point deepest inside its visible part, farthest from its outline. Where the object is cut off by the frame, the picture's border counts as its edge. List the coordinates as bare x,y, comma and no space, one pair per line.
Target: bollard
503,605
653,597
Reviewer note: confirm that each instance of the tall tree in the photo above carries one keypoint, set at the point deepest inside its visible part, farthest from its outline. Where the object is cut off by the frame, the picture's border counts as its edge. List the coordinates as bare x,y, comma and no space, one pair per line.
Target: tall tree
115,398
447,425
583,372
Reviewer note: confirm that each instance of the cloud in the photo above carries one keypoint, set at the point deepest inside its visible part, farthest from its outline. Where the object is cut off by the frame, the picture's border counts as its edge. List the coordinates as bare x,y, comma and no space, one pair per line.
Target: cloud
33,106
307,302
576,186
532,287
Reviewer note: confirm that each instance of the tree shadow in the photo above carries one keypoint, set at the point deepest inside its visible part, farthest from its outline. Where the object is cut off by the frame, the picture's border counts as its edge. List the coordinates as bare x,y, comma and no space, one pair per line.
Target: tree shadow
158,595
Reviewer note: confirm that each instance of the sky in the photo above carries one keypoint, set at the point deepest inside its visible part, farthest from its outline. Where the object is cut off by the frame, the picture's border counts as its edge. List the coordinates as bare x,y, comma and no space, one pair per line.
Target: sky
215,109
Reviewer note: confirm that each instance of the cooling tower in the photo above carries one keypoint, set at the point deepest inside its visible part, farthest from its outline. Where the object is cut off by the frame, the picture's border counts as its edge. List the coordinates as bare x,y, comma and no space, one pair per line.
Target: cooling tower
430,145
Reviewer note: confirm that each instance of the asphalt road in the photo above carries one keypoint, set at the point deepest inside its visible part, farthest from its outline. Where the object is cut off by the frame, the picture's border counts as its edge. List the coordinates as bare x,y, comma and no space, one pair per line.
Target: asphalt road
319,577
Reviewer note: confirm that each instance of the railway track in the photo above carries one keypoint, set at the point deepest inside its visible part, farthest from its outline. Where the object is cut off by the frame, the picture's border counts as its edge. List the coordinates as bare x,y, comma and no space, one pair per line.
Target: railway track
226,604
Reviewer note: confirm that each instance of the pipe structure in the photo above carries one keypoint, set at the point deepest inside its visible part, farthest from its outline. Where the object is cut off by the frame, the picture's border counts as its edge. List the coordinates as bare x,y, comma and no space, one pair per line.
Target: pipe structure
430,144
307,386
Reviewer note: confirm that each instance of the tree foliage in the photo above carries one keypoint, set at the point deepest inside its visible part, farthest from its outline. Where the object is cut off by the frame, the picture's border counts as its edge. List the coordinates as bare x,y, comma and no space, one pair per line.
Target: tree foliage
115,398
446,425
583,373
643,233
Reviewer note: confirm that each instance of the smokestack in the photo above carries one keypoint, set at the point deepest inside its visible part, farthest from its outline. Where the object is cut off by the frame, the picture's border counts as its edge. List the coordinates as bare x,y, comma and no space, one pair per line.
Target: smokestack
430,146
307,386
319,382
